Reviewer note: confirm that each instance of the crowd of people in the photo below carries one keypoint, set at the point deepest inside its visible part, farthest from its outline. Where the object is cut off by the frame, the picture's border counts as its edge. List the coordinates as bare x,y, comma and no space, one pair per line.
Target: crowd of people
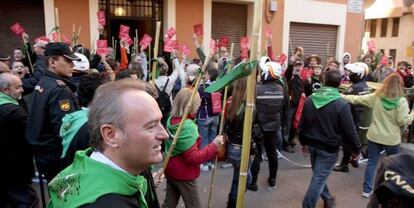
93,125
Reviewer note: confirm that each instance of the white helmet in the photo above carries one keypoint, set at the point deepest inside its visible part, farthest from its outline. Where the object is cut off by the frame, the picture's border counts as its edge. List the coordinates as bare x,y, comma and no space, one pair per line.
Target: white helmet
83,64
359,68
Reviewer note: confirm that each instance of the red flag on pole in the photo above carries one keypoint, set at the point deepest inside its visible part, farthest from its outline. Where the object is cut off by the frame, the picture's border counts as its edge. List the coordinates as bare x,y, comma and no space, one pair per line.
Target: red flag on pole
224,41
170,45
17,29
101,18
170,33
198,29
186,50
145,41
123,31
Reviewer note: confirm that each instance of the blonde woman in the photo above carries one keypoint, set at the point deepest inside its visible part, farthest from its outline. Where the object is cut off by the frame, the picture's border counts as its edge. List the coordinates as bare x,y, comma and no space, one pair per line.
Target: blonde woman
183,168
390,113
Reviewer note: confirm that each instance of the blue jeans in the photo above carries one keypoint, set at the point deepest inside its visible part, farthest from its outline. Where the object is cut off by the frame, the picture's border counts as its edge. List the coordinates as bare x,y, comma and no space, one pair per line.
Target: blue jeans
374,150
322,163
208,129
234,157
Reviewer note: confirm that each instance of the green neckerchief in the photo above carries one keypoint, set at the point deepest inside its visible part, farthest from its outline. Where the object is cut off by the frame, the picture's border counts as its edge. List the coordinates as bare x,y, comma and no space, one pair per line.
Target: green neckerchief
71,124
86,179
390,103
186,139
5,99
324,96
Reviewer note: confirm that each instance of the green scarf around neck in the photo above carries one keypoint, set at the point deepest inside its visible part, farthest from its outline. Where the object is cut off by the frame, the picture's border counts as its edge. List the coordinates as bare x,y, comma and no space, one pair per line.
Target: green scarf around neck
6,99
188,136
86,179
390,103
324,96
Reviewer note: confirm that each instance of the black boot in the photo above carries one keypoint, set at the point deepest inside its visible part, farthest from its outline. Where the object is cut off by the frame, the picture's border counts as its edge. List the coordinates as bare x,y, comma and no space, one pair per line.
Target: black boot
231,203
253,185
341,168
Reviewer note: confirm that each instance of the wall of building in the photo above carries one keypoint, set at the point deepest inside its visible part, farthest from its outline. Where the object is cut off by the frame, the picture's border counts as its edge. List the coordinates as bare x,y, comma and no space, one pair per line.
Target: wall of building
276,26
75,12
353,34
188,13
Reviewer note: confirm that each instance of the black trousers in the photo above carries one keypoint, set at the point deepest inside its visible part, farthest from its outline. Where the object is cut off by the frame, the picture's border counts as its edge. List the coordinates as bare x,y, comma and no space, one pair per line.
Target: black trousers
268,140
18,196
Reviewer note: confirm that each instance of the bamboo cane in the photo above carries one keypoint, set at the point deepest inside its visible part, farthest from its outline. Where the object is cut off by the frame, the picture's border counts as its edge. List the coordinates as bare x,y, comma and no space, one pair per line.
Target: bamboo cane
157,40
136,41
186,112
73,35
78,35
250,100
57,23
222,120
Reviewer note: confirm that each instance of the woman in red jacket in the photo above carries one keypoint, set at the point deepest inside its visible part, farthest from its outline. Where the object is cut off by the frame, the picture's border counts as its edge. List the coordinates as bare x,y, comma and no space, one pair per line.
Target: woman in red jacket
183,168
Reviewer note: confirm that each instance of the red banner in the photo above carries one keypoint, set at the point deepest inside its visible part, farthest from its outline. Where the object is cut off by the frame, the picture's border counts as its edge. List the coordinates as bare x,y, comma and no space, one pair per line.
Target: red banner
186,50
170,33
145,41
101,18
123,31
224,41
198,29
17,29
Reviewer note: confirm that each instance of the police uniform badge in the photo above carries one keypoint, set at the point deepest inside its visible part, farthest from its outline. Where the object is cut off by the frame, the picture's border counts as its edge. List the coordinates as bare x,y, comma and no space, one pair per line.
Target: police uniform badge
64,105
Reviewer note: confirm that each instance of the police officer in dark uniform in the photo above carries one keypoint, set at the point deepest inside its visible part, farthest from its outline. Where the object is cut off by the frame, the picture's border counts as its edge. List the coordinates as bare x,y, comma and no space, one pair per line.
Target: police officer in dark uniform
53,97
271,102
359,87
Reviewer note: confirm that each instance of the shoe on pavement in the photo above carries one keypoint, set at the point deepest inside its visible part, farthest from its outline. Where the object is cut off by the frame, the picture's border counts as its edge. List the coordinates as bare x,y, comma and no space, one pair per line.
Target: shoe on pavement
330,203
211,165
341,168
355,162
272,182
204,168
252,187
366,195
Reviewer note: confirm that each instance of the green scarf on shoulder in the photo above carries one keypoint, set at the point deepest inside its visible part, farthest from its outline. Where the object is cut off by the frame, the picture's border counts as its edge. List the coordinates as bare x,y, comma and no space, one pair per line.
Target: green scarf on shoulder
324,96
187,138
5,99
86,180
390,103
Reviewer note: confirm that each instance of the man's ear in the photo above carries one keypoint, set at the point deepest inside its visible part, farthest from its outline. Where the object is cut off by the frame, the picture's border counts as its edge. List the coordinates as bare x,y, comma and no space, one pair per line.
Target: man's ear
110,135
51,62
5,90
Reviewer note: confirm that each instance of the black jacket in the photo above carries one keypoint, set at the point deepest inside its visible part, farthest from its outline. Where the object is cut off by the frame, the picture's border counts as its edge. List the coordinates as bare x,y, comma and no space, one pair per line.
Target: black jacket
53,98
271,103
296,86
15,156
326,127
358,88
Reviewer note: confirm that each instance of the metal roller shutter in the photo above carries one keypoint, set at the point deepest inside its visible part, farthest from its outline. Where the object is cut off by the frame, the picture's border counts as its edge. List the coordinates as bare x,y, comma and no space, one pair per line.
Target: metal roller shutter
314,38
229,20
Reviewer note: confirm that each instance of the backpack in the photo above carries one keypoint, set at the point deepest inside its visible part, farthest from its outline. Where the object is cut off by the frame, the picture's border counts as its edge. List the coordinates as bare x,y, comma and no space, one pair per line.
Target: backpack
163,100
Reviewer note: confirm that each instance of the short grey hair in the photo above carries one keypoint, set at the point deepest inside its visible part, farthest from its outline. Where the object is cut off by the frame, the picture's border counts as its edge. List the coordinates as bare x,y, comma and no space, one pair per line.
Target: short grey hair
6,79
107,108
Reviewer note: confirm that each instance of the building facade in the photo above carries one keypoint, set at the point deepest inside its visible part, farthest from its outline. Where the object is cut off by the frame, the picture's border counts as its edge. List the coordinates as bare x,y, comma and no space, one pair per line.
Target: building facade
323,27
390,23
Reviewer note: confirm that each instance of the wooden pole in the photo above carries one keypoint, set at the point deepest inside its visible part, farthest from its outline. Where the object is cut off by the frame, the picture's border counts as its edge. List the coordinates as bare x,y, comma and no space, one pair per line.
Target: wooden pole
136,42
57,23
113,42
157,40
73,35
222,120
31,69
250,100
187,109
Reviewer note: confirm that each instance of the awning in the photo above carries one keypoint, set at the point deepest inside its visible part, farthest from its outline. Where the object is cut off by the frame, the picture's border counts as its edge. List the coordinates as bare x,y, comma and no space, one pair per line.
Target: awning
385,9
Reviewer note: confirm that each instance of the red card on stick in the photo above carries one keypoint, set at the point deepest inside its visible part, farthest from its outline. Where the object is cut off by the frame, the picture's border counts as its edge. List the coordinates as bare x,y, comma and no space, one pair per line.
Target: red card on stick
170,33
224,41
145,41
17,29
102,51
123,31
282,58
170,45
198,29
101,18
186,50
244,42
216,102
101,43
384,60
244,54
371,45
